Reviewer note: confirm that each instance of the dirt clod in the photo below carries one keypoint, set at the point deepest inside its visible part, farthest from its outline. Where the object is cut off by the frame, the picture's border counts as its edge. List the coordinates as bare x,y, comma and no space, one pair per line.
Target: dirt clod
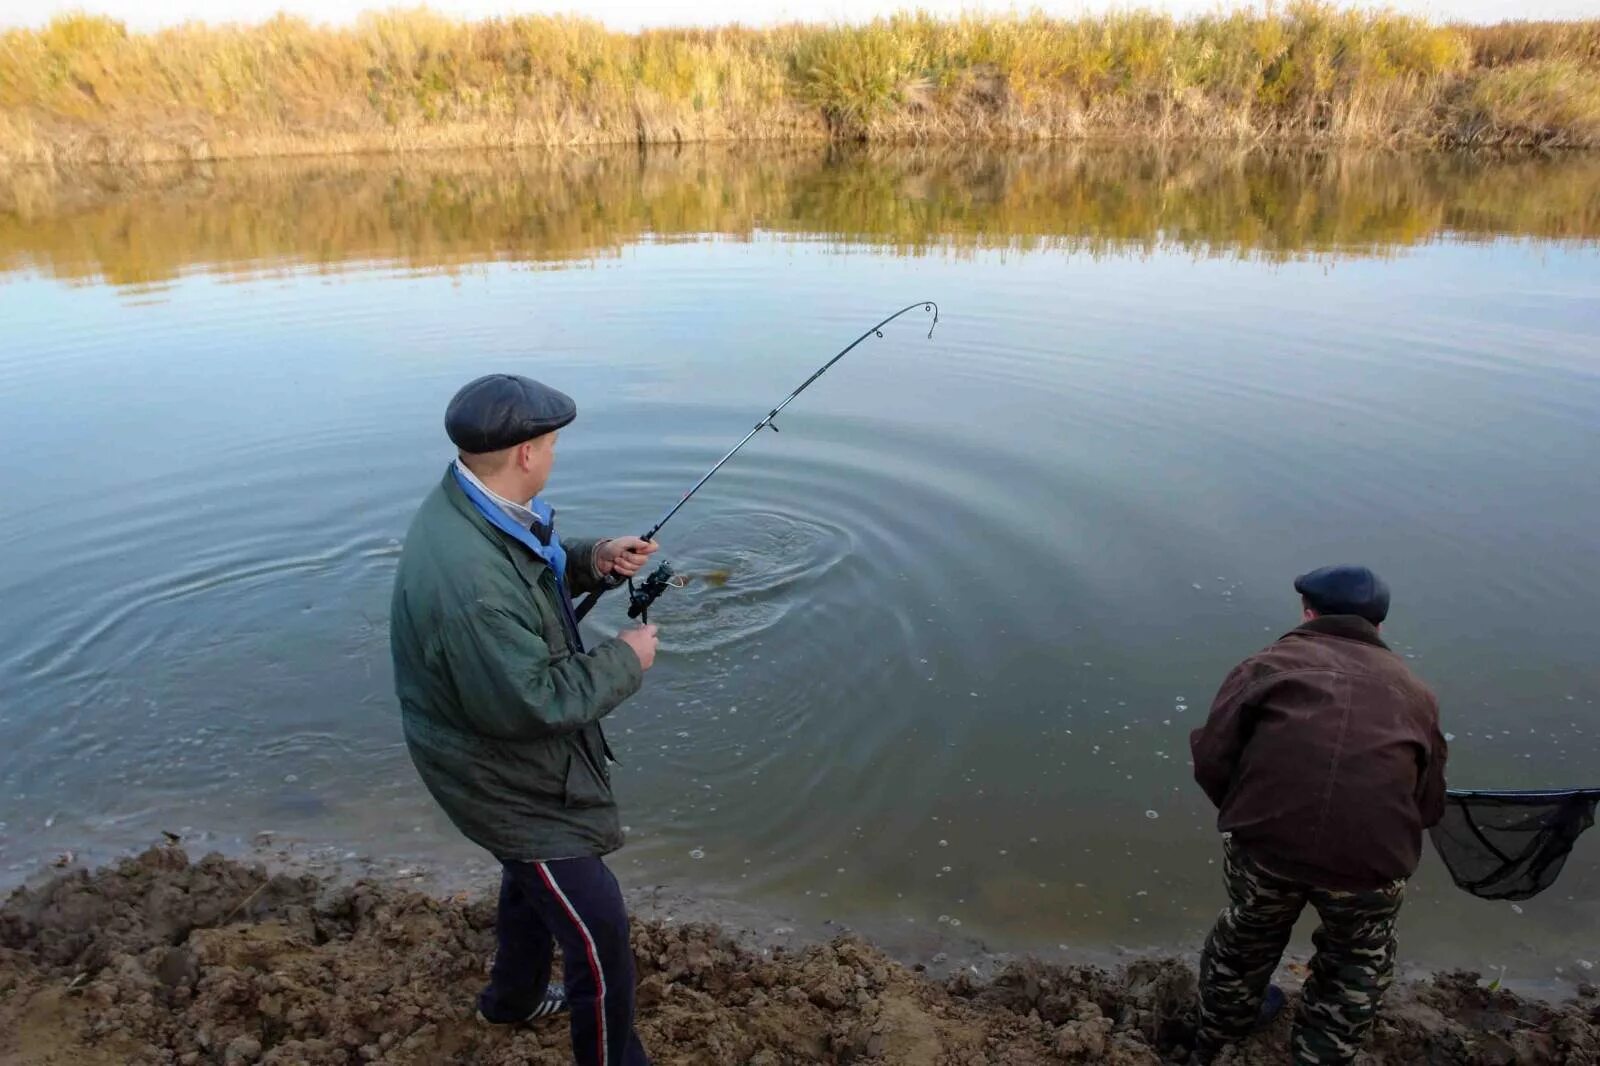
163,960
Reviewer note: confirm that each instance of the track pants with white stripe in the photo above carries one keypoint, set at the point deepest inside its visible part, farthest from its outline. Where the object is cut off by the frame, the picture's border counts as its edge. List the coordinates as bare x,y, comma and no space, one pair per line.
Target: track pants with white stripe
576,903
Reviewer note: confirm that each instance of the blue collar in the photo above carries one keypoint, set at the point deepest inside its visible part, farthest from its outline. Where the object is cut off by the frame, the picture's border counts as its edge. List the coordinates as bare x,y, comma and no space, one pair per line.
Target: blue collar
554,555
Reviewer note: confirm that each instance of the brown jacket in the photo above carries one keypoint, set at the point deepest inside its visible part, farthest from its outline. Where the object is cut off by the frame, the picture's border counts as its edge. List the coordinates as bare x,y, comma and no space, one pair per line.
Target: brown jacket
1324,757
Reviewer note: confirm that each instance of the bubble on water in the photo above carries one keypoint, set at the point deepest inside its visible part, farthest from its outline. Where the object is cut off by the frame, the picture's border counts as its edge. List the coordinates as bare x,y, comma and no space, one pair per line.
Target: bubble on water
1152,815
1449,736
944,843
954,922
290,779
945,869
697,853
944,919
1197,586
1515,909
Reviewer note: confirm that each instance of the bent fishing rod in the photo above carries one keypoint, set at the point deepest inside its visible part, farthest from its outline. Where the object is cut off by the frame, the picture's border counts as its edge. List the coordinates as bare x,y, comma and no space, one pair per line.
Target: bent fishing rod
661,579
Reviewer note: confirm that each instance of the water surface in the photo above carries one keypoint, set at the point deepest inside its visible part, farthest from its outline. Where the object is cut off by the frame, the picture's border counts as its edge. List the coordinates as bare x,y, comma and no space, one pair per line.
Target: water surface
979,589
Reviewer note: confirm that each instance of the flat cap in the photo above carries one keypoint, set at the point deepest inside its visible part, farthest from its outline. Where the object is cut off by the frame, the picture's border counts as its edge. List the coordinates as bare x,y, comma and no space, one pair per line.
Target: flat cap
1345,590
502,410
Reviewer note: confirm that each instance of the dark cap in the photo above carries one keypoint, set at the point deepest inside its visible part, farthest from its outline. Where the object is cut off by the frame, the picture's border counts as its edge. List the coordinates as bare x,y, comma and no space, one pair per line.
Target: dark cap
1345,590
502,410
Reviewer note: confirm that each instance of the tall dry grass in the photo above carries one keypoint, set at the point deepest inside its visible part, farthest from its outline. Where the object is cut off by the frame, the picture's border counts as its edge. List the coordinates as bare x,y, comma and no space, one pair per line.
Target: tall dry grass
86,88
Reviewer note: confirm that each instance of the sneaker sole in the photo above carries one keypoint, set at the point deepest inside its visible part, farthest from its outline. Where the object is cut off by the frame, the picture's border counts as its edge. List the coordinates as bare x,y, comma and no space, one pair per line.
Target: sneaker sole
547,1009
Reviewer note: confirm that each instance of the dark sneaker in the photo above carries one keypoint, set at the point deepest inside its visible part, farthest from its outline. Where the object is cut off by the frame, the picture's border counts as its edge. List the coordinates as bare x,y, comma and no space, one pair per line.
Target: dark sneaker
554,1002
1271,1006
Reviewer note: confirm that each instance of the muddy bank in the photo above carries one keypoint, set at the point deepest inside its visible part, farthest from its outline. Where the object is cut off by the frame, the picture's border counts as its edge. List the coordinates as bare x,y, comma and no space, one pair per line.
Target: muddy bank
163,960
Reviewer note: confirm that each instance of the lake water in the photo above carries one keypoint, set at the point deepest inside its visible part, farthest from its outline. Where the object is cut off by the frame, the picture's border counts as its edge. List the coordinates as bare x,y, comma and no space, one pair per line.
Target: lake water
979,589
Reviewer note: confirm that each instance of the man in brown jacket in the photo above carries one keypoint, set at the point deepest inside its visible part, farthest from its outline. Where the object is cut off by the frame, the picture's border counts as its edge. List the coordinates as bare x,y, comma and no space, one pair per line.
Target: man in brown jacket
1324,757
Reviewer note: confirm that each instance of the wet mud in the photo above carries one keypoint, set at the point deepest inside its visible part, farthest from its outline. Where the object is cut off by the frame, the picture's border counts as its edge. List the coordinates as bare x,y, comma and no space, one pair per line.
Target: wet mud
160,959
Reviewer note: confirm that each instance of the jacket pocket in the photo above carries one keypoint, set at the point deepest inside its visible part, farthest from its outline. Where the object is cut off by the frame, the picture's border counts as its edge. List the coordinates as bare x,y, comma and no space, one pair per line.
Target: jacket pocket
585,787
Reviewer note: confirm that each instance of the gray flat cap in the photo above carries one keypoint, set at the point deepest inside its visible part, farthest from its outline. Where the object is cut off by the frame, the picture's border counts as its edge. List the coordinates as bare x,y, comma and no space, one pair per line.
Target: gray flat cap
502,410
1345,590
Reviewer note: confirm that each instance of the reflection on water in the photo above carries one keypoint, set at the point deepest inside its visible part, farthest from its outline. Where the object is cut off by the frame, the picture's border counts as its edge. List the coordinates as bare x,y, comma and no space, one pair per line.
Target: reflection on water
148,226
952,626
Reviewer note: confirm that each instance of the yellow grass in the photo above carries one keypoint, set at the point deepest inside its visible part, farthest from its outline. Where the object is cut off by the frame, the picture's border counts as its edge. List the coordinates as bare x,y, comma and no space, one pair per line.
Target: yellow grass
1544,101
85,88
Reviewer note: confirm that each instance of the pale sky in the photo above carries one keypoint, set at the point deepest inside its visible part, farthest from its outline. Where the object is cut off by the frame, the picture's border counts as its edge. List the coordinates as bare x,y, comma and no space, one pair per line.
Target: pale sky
631,14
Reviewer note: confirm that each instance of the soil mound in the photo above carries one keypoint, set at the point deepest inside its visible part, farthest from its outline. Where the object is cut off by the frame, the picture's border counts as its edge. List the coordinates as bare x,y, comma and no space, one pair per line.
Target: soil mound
163,960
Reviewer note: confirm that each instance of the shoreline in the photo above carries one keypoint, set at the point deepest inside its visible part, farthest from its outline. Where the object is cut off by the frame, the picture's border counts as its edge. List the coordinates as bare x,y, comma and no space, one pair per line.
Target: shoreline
164,959
763,924
70,149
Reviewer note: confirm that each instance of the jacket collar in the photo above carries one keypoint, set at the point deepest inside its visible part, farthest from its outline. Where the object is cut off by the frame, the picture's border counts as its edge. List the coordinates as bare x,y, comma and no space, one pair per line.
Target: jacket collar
1345,626
521,513
526,562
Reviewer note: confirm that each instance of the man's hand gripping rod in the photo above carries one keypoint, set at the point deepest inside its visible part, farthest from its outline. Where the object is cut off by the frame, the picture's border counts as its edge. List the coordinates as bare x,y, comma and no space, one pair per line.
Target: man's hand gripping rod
658,581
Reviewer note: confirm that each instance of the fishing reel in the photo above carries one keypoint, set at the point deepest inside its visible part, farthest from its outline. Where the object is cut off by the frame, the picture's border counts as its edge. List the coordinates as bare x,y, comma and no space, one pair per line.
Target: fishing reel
641,596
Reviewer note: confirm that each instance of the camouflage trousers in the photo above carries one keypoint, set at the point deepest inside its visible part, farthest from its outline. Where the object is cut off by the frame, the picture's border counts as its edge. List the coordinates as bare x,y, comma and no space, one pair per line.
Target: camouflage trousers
1351,970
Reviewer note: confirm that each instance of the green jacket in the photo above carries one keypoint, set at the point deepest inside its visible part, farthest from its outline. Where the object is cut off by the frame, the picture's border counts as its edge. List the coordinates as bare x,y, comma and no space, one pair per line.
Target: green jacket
501,712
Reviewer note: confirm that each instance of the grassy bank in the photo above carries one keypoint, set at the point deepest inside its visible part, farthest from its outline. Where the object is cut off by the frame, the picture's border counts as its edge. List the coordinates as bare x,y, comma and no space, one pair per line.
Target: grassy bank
84,88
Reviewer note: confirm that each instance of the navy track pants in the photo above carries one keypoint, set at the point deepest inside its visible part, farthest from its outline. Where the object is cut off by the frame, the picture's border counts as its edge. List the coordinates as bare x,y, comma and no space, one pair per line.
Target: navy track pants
578,904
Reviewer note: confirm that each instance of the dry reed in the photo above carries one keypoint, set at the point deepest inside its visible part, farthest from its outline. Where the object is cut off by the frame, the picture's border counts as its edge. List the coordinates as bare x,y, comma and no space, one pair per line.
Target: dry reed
84,88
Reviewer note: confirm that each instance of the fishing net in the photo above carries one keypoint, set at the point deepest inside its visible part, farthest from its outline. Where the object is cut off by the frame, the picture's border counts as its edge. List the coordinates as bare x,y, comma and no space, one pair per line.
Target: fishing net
1511,845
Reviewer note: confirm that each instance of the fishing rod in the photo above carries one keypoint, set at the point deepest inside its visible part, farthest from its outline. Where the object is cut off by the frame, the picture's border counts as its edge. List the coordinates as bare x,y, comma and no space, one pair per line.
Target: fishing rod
660,579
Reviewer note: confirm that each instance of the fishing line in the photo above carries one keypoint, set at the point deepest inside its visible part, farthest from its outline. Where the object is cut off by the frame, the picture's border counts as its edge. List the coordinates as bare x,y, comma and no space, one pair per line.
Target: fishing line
641,597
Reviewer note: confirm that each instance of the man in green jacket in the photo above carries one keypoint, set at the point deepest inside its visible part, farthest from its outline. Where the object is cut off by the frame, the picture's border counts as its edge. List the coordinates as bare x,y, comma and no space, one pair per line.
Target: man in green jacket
501,704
